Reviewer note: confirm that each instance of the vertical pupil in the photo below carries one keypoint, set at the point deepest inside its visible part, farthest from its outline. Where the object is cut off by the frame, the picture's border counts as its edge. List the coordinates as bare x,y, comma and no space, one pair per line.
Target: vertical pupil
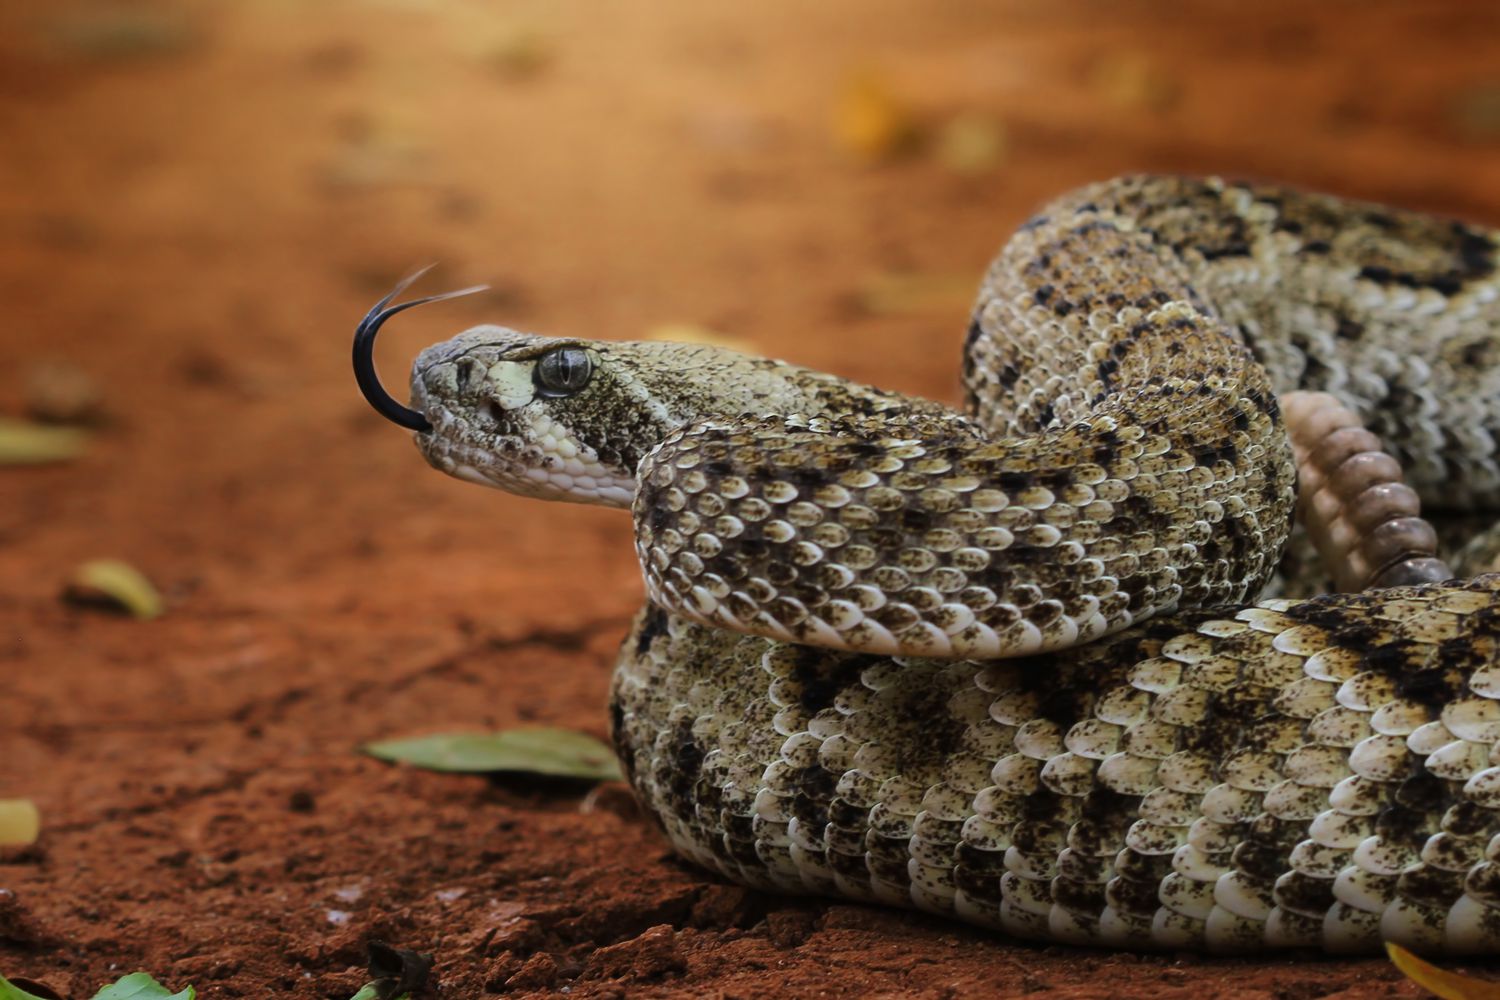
565,369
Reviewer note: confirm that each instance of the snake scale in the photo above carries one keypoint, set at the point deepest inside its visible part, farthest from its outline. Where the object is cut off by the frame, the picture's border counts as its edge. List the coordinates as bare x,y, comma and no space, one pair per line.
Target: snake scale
1003,664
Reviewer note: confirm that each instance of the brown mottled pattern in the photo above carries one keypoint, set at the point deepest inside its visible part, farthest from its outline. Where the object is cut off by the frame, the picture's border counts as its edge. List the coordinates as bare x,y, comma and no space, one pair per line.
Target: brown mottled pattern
999,664
1289,775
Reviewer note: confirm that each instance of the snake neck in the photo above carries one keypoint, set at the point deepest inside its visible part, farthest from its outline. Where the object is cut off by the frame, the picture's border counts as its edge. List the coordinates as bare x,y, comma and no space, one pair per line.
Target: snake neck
946,545
1130,460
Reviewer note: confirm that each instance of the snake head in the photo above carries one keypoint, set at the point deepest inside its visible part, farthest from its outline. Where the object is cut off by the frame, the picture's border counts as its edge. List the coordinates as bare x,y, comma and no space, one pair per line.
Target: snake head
544,417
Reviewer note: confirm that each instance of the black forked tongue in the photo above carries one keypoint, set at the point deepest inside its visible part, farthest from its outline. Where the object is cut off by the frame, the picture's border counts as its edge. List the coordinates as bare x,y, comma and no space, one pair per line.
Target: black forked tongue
364,351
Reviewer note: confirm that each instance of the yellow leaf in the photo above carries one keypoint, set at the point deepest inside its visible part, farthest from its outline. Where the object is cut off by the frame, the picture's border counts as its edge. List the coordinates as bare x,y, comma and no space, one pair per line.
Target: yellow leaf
20,823
971,144
113,582
870,122
1135,81
536,750
1448,985
24,443
897,292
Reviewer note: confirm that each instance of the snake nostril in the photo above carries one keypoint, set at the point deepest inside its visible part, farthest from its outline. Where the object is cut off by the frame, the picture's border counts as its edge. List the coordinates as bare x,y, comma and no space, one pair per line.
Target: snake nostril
469,373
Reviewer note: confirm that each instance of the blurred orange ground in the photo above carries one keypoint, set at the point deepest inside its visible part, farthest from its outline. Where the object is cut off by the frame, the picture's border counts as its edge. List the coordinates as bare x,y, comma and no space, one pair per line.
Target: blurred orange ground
198,201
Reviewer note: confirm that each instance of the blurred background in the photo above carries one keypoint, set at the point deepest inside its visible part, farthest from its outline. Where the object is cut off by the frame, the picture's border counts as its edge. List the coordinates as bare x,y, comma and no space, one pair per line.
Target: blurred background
198,201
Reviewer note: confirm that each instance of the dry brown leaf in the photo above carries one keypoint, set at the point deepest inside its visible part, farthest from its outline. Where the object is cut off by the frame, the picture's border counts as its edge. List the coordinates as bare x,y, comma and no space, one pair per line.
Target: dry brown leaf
119,33
25,443
114,584
519,53
870,122
20,822
1445,984
1476,113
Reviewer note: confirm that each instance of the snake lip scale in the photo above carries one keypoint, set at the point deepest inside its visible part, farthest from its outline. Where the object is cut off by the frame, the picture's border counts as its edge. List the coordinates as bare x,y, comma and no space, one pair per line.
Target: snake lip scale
1017,664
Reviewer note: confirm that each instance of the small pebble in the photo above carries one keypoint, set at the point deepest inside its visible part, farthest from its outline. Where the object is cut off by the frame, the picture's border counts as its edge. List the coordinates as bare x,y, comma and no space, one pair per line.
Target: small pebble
612,797
57,392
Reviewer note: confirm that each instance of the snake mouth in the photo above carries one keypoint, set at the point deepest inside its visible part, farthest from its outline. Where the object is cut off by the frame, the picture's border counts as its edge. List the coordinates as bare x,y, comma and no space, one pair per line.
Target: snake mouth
364,352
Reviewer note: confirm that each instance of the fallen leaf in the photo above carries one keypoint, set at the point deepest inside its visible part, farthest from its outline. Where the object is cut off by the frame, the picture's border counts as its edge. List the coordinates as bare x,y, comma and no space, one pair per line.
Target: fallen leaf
971,144
1476,112
20,822
25,443
372,150
883,294
14,991
371,991
519,53
1448,985
1134,80
140,986
556,752
870,122
125,34
692,333
32,986
114,584
136,986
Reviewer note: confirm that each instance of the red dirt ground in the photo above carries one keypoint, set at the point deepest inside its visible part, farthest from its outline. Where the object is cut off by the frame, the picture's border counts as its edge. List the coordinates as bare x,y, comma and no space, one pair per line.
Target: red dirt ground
196,204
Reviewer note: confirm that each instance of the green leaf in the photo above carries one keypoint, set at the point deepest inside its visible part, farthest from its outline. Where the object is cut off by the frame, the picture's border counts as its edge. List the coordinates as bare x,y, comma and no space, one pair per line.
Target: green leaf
369,992
557,752
136,986
9,991
140,986
25,443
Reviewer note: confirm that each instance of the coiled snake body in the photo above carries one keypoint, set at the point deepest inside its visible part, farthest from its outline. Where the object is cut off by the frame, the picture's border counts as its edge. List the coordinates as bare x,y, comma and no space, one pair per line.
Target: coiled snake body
1000,664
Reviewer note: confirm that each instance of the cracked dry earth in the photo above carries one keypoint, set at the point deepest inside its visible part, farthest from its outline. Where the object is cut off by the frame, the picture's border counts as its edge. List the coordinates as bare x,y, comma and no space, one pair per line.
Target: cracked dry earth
197,202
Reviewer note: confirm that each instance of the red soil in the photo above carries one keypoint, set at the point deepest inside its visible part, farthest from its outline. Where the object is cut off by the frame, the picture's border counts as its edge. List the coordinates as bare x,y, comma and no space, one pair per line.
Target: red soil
196,204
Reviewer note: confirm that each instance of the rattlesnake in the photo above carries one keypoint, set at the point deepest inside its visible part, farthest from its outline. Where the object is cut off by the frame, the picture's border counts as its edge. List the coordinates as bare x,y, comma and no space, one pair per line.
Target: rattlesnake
1000,664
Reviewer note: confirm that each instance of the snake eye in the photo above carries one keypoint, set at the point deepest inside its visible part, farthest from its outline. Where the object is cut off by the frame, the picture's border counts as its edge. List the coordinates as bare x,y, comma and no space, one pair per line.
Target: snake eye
563,372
